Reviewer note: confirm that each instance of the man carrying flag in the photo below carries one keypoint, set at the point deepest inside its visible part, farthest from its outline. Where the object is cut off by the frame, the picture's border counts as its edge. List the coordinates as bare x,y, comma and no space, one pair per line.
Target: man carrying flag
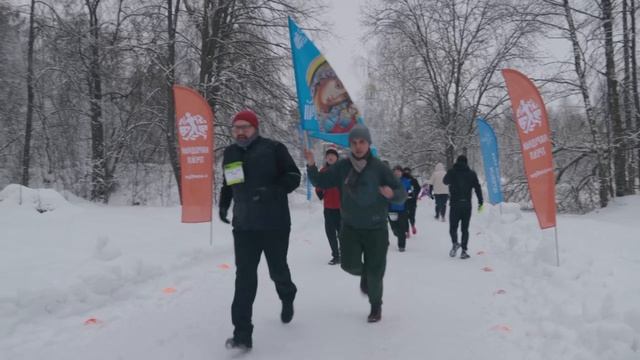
258,175
367,187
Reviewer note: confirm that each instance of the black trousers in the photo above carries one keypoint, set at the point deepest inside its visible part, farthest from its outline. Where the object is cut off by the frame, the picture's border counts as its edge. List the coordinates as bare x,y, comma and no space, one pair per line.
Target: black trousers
332,228
400,227
441,204
249,246
412,206
460,213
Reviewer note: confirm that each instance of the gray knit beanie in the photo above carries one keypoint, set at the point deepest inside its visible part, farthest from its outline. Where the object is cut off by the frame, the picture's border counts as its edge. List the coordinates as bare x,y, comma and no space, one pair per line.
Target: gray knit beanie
360,132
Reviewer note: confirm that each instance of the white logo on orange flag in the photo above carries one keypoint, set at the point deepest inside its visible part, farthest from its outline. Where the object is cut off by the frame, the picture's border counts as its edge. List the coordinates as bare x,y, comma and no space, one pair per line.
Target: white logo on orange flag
193,127
529,115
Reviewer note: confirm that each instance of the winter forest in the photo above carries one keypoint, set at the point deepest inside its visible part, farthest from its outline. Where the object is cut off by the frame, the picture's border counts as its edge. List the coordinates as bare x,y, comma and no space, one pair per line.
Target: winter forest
86,106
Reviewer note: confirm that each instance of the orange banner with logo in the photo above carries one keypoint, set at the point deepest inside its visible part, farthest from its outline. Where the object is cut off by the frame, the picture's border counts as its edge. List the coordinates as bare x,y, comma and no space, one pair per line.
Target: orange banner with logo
194,122
532,123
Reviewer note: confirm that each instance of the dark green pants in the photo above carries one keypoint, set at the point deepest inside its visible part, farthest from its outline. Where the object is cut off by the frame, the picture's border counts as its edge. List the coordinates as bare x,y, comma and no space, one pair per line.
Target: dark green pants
370,245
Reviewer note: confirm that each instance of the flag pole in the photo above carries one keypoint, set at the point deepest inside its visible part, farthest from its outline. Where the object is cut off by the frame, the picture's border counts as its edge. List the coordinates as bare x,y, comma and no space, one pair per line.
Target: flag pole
555,228
211,231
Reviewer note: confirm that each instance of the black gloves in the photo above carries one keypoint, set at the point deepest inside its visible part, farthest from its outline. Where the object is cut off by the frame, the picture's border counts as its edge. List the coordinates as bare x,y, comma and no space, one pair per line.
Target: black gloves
223,215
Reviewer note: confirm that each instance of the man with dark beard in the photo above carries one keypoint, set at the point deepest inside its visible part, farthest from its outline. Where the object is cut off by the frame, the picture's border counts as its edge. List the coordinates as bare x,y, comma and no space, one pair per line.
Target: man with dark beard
258,175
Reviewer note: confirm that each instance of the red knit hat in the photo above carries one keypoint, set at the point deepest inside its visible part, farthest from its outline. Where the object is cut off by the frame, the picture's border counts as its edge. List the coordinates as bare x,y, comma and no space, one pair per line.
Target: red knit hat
246,115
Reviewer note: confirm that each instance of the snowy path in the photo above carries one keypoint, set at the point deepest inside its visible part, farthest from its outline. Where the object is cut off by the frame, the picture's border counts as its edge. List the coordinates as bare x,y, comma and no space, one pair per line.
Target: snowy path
435,307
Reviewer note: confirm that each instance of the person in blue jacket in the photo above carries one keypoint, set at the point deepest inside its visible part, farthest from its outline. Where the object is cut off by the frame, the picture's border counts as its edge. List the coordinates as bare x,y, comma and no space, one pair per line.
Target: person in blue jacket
398,214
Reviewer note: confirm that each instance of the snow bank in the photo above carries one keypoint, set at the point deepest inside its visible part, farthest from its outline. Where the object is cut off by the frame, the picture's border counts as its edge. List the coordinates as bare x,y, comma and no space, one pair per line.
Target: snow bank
92,282
40,200
589,307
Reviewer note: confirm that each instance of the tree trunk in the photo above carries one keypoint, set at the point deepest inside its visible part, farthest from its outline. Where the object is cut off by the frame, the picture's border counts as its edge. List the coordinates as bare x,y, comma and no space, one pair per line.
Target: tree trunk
214,33
172,22
613,103
628,106
603,173
98,164
26,153
634,82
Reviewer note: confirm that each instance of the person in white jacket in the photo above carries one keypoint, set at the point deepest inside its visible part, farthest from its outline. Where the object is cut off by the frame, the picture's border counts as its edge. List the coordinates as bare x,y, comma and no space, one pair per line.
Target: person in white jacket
439,191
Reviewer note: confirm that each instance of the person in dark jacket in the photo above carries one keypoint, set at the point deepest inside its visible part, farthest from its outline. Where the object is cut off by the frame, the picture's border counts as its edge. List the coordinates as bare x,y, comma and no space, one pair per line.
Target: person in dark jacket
399,214
367,186
331,201
258,175
412,198
461,180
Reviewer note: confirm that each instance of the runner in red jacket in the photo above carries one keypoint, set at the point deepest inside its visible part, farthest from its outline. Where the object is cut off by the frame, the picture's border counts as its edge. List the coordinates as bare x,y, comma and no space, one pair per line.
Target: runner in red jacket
331,200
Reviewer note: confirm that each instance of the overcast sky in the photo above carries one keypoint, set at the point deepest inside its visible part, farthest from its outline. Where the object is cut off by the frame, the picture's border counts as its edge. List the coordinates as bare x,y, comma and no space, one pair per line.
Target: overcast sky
343,48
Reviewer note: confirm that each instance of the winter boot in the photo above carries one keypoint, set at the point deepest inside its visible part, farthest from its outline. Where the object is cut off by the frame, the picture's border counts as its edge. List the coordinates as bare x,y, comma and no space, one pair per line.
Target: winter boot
287,312
401,249
233,343
464,255
454,250
376,314
334,261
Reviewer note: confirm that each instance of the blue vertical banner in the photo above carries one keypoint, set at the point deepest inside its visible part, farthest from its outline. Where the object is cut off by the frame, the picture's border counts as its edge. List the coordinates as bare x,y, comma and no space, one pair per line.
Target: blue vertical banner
491,160
326,109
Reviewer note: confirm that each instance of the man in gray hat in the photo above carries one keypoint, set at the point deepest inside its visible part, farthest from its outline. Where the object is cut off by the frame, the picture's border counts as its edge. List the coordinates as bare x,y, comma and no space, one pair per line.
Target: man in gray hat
367,186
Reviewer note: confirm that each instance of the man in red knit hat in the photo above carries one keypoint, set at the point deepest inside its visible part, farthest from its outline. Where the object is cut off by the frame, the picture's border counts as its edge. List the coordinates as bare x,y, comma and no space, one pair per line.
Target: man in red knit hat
331,200
258,175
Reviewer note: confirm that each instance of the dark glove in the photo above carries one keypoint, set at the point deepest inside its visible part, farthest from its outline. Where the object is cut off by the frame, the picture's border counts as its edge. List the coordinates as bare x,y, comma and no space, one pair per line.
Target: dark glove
223,215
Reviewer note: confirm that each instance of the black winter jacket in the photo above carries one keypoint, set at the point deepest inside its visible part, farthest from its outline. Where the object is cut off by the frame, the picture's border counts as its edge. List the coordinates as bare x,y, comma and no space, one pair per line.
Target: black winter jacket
412,195
260,202
461,180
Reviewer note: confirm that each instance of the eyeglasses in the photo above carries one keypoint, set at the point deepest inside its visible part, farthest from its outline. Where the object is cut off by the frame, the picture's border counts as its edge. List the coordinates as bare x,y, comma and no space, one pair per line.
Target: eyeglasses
241,127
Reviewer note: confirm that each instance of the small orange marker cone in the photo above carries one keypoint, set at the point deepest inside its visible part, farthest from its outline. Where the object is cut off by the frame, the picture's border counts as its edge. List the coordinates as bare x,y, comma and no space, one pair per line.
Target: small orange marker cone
224,266
502,328
487,269
169,290
92,321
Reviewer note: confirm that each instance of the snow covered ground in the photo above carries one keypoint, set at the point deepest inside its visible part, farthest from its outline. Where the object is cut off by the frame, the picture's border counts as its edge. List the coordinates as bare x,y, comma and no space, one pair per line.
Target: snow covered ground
82,281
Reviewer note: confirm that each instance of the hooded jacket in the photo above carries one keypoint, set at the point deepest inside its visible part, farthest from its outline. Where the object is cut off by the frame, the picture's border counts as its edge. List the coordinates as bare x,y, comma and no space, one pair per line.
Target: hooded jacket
439,187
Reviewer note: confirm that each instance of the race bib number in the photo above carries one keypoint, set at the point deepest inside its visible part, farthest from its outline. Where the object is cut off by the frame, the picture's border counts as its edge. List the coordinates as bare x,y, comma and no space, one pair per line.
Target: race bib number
233,173
393,216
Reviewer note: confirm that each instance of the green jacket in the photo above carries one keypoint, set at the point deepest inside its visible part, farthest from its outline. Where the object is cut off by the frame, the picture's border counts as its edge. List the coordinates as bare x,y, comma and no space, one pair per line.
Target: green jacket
362,206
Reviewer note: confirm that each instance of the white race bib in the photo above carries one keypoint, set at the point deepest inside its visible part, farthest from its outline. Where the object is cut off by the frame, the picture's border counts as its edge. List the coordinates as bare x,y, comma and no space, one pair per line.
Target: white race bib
393,216
233,173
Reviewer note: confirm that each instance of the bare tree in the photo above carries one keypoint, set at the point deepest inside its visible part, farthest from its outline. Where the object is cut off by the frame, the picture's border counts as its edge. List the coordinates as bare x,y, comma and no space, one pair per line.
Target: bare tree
580,71
170,127
461,46
26,152
613,100
628,106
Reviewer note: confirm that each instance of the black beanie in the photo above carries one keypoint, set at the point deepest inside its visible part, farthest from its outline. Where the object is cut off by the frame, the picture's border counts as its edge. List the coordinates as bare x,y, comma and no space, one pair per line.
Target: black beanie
462,159
331,151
